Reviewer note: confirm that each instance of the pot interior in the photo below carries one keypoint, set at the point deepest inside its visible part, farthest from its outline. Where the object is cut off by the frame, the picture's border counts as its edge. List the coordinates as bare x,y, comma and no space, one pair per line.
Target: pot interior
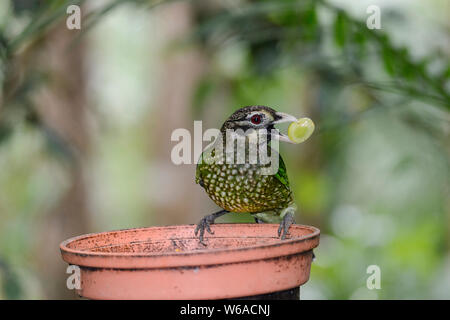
181,239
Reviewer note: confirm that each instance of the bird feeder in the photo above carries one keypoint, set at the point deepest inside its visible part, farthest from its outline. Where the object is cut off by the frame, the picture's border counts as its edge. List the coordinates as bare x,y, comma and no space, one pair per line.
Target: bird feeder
237,261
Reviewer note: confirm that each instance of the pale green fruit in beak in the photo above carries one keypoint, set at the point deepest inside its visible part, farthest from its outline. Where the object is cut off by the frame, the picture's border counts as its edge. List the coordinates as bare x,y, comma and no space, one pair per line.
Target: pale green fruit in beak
300,130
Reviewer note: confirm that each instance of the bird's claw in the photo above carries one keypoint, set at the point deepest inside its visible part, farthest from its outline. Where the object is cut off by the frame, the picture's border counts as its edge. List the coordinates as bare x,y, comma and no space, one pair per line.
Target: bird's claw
285,224
205,223
258,220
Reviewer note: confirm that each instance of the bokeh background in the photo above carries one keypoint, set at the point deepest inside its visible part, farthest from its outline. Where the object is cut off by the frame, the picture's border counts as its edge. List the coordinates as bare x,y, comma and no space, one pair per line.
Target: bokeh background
86,118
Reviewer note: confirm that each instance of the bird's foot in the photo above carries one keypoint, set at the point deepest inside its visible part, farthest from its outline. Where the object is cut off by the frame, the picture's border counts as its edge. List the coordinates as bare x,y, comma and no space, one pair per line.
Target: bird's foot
285,224
205,224
258,220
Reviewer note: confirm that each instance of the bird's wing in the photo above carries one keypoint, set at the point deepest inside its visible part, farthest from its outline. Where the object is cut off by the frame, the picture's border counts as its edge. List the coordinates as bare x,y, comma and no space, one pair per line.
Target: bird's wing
197,171
281,175
206,154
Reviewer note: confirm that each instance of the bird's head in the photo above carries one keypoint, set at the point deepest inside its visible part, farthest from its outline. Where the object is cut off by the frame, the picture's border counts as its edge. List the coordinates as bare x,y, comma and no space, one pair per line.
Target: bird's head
258,117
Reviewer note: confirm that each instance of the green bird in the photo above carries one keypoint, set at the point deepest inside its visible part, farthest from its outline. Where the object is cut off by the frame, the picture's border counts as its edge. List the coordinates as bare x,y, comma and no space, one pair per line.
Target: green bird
243,186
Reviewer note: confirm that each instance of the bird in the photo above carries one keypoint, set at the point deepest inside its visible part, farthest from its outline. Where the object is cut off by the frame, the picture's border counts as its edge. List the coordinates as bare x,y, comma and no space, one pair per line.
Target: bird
242,186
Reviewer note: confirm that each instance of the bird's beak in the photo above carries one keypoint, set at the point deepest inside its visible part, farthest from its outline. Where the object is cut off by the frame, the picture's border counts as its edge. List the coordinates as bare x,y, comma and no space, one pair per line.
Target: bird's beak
281,117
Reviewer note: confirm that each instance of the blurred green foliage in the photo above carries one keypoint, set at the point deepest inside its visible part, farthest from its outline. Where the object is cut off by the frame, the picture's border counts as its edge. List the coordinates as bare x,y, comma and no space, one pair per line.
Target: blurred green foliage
374,177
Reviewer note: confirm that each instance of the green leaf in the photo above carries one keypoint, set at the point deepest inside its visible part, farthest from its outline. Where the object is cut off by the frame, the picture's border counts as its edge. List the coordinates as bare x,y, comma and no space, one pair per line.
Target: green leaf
5,132
340,29
360,40
388,60
406,67
310,24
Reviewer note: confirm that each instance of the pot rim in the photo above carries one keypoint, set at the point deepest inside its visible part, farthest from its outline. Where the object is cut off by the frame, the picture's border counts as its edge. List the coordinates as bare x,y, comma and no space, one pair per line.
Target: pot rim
127,260
63,246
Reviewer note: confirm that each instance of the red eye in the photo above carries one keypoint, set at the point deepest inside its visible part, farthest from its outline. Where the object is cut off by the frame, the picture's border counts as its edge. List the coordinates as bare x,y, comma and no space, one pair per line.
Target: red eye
256,119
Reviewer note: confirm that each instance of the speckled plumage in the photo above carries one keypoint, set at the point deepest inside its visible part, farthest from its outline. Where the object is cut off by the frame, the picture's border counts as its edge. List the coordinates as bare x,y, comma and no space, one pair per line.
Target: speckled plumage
242,188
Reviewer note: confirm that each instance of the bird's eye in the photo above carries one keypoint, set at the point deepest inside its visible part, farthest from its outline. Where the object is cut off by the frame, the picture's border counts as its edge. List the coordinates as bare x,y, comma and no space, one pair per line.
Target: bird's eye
256,119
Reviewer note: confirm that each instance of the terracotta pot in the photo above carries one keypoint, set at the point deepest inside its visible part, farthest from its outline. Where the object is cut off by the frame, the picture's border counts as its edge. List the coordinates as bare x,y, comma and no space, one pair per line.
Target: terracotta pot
240,260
